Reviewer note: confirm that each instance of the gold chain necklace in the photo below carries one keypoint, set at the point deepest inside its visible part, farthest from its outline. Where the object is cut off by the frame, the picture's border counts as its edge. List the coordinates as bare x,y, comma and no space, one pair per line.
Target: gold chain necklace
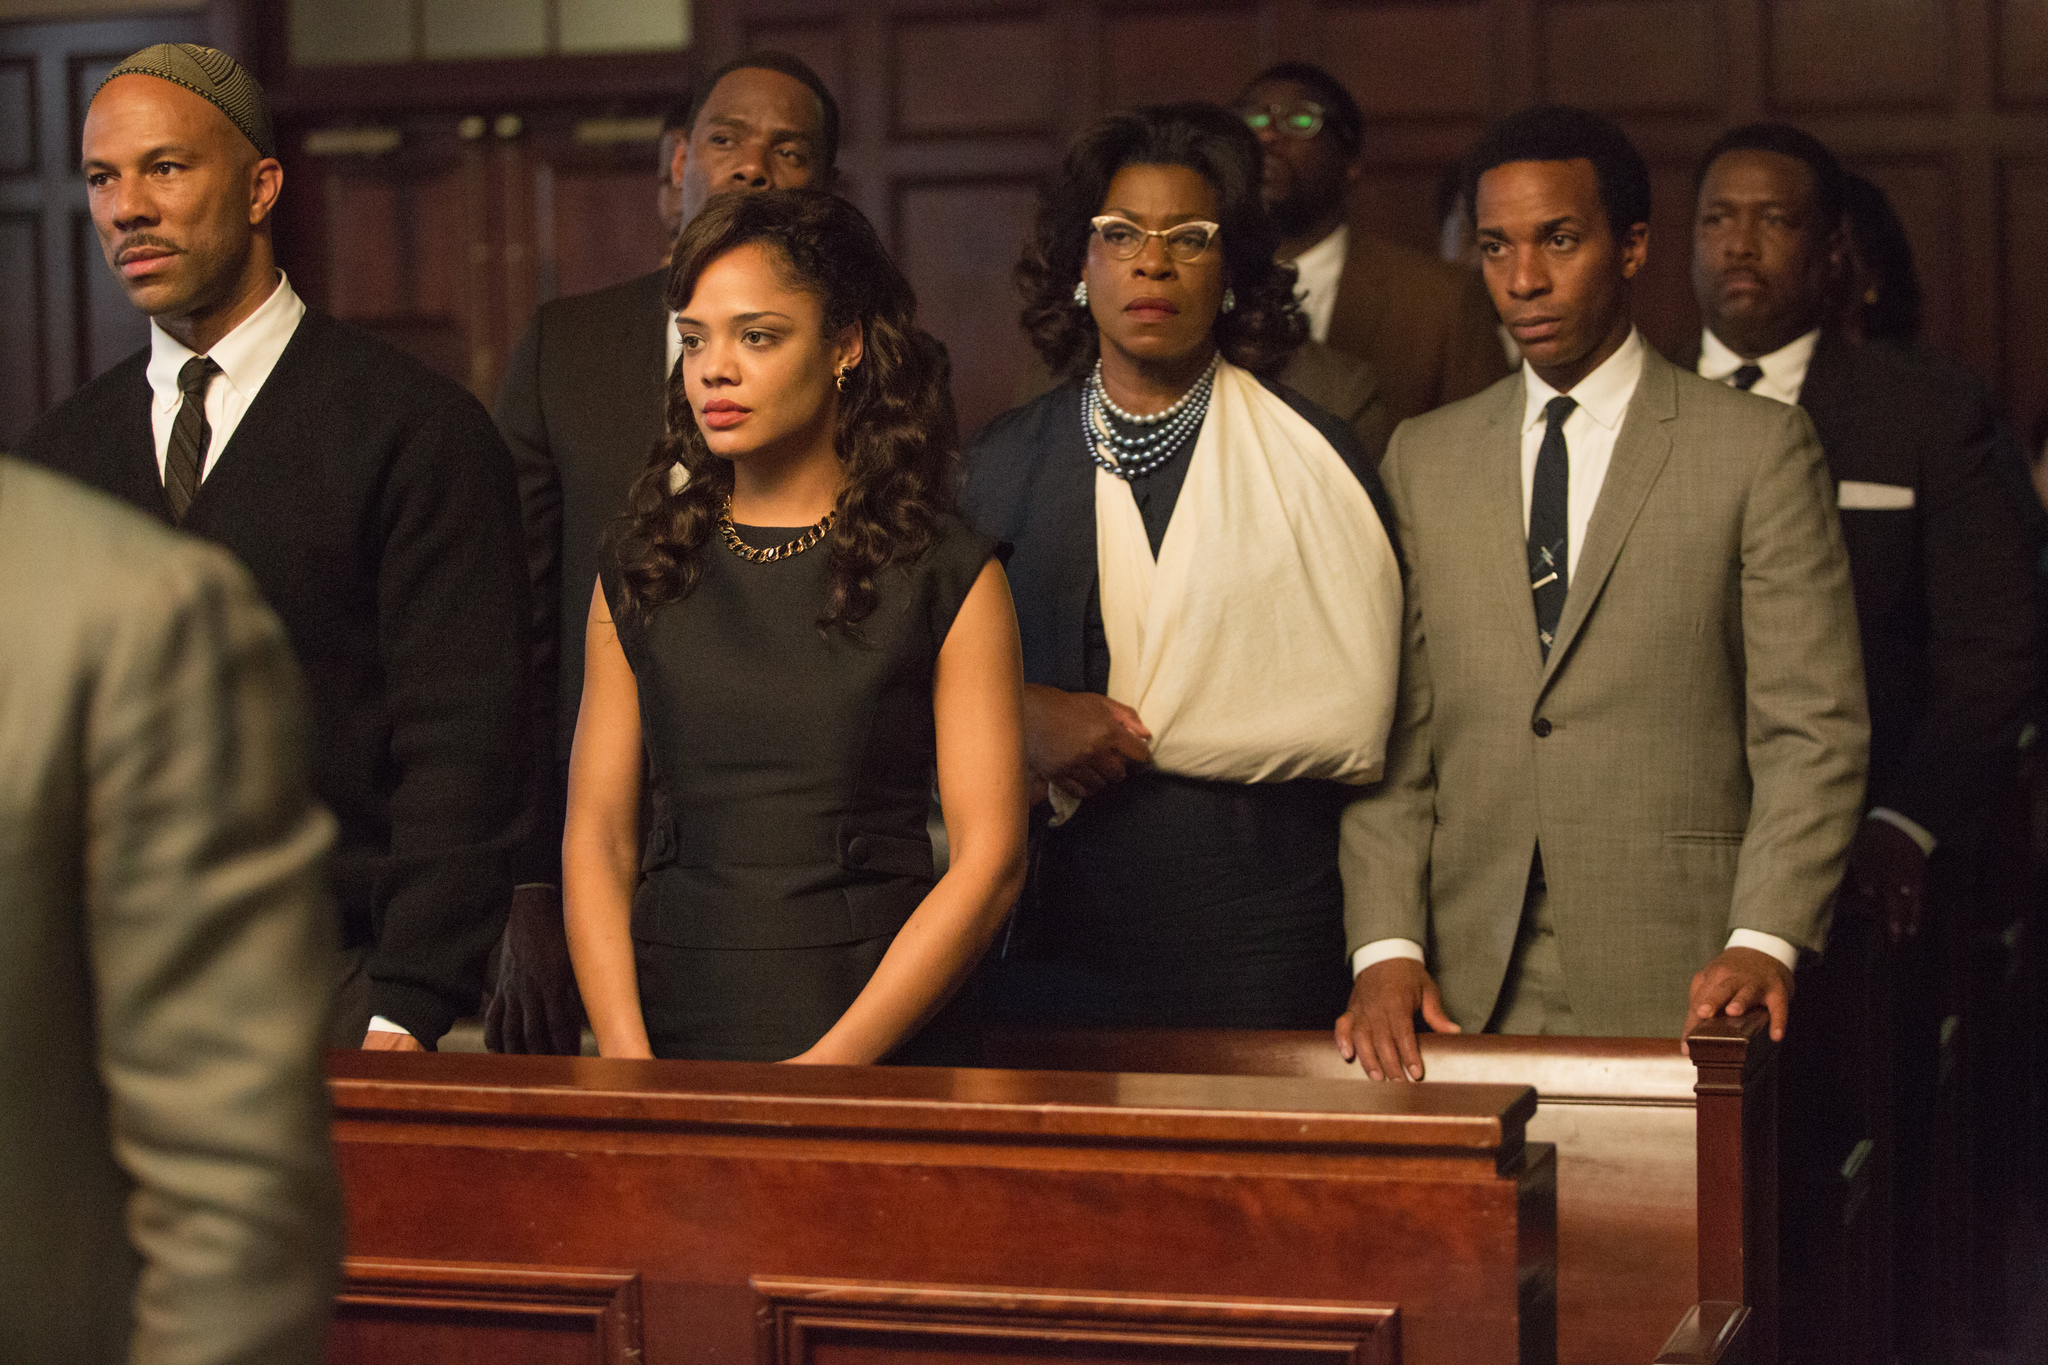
774,552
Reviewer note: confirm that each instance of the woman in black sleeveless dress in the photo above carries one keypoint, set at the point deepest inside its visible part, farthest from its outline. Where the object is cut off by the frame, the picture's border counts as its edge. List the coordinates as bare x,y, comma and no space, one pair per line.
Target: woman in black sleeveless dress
804,636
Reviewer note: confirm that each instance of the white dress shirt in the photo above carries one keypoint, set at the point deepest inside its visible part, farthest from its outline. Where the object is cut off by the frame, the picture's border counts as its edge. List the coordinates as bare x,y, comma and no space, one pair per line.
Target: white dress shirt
246,357
1784,369
1589,431
1318,270
1784,378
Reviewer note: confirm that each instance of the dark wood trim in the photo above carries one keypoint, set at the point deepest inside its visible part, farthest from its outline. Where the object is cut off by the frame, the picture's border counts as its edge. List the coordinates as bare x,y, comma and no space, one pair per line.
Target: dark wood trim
602,1304
1275,1114
796,1316
1738,1170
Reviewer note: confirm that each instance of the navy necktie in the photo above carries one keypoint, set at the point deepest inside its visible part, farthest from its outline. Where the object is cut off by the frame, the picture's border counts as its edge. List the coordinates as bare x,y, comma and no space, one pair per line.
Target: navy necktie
190,435
1746,376
1549,531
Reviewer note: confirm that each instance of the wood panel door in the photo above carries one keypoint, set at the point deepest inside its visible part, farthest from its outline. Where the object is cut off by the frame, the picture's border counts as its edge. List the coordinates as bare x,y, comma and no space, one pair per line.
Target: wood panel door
63,317
442,231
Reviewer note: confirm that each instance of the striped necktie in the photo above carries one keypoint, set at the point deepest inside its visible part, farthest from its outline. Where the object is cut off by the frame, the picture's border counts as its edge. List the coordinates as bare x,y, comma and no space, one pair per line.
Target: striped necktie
190,435
1549,529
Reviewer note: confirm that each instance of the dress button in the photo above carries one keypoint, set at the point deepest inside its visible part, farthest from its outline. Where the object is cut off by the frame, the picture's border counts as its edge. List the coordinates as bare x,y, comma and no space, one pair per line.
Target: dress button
1541,726
857,851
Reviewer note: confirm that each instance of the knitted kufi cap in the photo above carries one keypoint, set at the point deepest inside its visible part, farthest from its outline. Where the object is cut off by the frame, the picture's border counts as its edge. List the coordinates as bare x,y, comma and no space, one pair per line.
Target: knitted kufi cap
212,75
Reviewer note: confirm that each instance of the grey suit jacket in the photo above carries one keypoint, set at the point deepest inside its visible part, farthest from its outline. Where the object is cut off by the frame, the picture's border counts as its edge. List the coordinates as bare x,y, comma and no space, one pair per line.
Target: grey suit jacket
1692,756
167,1192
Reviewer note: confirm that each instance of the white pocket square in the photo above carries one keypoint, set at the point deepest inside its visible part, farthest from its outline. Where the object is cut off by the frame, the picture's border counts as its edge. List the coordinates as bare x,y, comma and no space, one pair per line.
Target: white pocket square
1874,497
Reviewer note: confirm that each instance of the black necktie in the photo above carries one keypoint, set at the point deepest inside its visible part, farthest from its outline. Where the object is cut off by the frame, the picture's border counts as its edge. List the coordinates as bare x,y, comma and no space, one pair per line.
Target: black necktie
1549,532
1746,376
189,436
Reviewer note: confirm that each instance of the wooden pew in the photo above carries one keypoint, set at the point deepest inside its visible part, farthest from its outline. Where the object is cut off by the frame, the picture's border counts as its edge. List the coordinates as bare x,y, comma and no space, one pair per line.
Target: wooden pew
541,1209
1666,1167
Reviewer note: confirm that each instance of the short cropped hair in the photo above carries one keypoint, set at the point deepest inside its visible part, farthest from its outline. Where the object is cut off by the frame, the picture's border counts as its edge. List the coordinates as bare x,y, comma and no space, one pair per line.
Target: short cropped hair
1341,114
791,66
1559,132
1830,195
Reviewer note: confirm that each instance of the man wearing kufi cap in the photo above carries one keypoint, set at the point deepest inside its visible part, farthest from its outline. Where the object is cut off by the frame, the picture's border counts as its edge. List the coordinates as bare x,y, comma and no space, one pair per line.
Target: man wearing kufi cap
371,499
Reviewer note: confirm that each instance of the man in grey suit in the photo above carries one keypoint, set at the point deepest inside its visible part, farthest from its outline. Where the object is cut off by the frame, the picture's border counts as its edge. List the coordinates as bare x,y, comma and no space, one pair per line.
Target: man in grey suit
582,401
1631,742
167,1192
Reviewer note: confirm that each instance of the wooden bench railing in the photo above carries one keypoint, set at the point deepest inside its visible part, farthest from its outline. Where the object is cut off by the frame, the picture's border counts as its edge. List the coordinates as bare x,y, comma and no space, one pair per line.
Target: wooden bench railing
672,1213
1667,1195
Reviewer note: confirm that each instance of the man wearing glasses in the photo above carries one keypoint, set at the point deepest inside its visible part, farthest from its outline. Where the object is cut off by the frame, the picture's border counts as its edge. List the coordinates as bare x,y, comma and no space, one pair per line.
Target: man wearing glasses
1427,328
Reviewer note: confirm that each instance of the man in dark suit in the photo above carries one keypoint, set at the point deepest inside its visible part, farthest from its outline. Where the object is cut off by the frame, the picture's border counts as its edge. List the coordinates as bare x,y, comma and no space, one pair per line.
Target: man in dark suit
372,501
167,1191
1937,545
1425,326
1939,555
582,401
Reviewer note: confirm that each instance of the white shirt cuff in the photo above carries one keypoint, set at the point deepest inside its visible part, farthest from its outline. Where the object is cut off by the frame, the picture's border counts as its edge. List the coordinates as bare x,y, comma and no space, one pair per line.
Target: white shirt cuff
1765,943
379,1024
1913,829
1383,950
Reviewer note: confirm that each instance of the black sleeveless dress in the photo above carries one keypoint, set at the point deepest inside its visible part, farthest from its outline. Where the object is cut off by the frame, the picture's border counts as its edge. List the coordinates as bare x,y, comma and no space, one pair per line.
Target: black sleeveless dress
792,772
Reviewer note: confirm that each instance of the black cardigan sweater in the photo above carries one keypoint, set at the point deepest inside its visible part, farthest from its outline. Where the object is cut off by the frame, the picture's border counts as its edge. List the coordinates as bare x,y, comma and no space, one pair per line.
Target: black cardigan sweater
376,506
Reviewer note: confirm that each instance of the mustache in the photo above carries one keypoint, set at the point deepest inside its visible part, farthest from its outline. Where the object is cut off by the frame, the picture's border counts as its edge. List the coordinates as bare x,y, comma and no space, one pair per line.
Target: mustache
140,239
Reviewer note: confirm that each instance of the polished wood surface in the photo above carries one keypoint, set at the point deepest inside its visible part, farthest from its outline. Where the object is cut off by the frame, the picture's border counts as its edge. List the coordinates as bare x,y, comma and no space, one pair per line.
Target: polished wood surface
1272,1218
1662,1193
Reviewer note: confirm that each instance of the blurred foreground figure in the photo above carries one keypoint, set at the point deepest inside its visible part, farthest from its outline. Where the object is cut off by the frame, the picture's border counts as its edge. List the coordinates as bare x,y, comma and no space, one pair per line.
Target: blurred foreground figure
166,1188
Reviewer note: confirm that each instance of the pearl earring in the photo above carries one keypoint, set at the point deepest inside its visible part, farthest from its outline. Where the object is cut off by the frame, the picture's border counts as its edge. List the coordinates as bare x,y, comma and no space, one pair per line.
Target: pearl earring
1229,299
1081,293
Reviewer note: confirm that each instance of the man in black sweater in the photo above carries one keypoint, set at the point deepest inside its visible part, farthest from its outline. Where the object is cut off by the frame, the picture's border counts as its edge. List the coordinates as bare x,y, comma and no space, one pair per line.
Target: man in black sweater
581,403
373,502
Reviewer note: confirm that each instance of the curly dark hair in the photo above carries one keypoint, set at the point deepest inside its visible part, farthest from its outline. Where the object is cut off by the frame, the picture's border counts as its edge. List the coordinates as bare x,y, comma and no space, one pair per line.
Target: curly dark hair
895,432
1258,334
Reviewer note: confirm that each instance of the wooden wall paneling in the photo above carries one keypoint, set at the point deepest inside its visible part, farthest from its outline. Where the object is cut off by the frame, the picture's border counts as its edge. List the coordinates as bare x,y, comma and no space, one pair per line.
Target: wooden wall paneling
2024,215
974,74
958,241
19,130
1186,52
408,251
1409,61
840,1322
392,1312
106,327
24,364
1826,54
1665,308
2022,52
1634,56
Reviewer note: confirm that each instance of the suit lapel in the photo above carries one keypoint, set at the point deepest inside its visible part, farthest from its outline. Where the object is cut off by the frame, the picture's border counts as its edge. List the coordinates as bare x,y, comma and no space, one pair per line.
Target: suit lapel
1640,449
1502,529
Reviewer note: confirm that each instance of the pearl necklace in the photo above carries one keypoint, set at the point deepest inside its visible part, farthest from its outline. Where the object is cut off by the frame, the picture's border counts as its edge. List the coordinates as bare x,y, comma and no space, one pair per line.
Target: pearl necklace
1160,435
